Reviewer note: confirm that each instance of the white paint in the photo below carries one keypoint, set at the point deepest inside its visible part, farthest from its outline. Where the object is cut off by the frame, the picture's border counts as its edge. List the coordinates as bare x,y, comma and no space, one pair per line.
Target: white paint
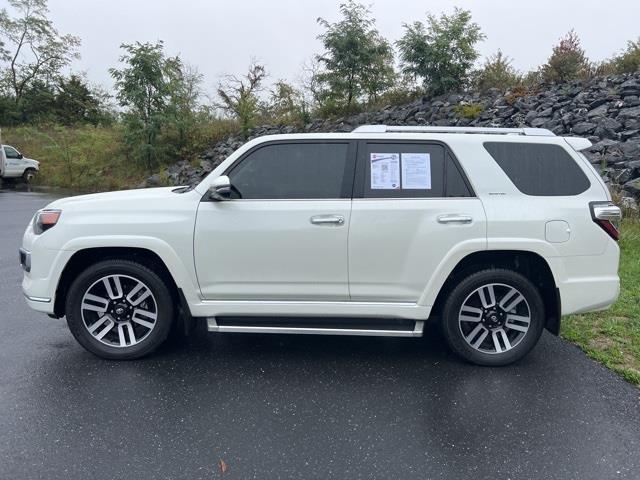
390,257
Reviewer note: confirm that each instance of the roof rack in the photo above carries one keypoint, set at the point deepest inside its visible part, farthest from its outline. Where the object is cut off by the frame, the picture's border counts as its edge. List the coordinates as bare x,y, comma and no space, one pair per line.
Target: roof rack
533,132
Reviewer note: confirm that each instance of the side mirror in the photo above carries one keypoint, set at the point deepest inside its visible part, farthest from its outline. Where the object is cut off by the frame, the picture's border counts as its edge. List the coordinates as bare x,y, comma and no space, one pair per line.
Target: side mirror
20,156
220,189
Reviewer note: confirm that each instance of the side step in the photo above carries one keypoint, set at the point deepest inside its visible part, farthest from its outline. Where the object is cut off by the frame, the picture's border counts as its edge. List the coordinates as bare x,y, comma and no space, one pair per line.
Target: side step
318,326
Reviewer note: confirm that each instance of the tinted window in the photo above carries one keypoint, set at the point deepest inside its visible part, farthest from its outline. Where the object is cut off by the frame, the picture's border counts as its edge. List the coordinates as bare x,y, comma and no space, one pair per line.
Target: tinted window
410,170
10,152
455,185
539,169
293,170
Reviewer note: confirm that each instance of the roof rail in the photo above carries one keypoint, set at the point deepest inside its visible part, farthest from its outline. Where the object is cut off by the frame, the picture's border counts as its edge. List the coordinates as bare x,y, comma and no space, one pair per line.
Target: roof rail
534,132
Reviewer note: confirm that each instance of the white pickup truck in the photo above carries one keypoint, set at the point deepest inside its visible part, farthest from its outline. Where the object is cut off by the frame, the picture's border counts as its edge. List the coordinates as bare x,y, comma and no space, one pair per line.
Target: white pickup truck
14,165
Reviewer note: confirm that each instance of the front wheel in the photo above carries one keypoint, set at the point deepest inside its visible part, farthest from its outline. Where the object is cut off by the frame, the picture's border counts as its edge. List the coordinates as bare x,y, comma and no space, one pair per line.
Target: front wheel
28,175
119,309
493,317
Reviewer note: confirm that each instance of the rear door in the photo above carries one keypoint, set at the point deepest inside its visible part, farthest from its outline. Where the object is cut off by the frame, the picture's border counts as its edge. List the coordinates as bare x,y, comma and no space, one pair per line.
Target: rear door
283,235
412,206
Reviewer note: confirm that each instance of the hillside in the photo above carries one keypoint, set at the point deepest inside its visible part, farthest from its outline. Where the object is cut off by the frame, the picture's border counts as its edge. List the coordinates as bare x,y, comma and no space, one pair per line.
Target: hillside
606,110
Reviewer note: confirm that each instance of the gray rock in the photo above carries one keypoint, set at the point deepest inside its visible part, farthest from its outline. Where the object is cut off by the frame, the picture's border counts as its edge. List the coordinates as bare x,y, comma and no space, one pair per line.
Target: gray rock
631,148
633,187
631,101
547,112
627,134
608,128
600,111
583,128
631,113
603,145
153,180
597,102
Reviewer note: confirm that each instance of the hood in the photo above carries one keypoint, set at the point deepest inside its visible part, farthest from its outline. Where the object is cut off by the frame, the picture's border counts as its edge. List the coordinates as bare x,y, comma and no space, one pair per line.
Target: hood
115,199
31,161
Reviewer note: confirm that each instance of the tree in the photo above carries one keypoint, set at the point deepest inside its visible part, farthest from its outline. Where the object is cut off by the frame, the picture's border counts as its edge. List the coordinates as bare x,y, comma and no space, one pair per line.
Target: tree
357,61
567,61
145,87
629,60
287,104
497,72
37,103
32,46
239,95
441,53
76,102
185,94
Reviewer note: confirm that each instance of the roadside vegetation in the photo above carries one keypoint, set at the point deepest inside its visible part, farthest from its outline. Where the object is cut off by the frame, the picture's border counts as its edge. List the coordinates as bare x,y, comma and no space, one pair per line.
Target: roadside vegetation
159,112
613,336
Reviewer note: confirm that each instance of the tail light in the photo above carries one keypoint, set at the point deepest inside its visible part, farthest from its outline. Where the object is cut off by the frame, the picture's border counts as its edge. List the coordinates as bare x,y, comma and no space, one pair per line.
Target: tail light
607,216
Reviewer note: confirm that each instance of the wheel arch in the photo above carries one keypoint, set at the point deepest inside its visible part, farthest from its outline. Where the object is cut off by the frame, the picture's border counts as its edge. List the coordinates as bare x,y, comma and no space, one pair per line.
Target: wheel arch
533,266
88,256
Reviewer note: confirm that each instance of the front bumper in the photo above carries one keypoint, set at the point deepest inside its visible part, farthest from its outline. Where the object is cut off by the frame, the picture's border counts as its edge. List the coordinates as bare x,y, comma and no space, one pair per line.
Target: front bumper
40,279
25,259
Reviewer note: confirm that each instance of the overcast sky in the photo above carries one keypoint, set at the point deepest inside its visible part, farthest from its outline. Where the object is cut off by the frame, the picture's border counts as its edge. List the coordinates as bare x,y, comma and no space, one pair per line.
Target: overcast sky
221,37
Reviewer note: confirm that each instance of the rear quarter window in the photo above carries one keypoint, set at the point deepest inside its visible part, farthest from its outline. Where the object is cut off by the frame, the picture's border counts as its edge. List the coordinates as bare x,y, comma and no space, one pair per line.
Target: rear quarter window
539,169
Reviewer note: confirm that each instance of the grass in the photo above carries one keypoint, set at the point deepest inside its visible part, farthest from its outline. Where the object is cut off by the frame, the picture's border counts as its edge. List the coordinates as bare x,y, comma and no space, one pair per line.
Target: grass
612,337
94,159
85,158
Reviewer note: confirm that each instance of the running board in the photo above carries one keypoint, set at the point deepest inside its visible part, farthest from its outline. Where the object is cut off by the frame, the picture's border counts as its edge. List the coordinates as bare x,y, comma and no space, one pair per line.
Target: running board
292,326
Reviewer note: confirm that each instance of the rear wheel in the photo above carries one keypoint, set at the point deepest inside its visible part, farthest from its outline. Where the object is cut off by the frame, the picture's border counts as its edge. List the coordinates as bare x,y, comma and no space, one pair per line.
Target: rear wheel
119,309
493,317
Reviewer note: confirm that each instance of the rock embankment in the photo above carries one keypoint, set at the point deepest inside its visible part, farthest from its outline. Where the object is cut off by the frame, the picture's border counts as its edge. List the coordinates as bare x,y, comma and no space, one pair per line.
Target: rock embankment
606,110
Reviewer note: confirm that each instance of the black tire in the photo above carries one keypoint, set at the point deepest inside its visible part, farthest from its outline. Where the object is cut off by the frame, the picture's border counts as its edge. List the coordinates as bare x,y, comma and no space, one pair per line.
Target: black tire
452,325
161,295
28,175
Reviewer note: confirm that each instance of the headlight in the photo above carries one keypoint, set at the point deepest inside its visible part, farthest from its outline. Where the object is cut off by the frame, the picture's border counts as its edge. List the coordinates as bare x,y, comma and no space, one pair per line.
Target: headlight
45,219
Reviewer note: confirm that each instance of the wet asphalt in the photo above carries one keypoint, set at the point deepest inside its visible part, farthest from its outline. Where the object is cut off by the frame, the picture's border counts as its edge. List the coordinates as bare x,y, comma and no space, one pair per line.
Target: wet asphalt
299,407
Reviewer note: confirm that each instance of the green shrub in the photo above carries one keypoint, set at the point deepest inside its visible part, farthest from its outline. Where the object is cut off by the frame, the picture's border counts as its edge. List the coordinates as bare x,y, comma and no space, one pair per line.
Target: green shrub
497,72
469,110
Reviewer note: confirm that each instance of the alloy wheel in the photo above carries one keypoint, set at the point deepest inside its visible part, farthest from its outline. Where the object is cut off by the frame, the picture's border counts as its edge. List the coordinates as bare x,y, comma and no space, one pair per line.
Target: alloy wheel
494,318
119,310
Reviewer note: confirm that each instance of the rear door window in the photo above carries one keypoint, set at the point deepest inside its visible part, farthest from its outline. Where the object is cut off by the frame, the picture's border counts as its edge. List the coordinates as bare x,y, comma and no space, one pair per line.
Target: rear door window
539,169
409,170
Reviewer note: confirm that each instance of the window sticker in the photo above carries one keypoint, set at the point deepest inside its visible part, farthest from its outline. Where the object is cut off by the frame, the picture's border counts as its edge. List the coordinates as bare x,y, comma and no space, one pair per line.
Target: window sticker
385,171
416,171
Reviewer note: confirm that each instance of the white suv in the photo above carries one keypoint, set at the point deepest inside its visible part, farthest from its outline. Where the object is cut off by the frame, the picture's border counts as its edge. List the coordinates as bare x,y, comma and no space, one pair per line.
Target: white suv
493,233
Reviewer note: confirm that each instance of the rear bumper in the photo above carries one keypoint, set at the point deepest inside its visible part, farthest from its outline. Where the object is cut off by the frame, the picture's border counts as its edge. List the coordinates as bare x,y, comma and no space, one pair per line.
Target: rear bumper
590,283
589,295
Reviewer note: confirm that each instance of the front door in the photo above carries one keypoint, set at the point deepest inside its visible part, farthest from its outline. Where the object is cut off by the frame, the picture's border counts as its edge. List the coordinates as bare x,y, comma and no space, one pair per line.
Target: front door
283,234
13,165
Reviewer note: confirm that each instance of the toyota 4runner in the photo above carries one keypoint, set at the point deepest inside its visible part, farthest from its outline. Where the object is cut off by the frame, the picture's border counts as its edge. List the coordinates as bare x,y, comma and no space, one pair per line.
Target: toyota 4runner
494,233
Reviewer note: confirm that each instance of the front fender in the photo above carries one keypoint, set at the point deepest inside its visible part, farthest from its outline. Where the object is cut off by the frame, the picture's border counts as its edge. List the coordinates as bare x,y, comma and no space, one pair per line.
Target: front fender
183,273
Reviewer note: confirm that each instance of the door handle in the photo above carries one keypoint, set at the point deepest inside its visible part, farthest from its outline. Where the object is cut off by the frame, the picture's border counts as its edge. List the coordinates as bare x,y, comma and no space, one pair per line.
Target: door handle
327,220
454,218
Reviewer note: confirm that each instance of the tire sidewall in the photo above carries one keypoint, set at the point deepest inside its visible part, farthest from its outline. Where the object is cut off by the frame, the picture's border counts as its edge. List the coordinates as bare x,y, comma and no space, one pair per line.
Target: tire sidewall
460,293
123,267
